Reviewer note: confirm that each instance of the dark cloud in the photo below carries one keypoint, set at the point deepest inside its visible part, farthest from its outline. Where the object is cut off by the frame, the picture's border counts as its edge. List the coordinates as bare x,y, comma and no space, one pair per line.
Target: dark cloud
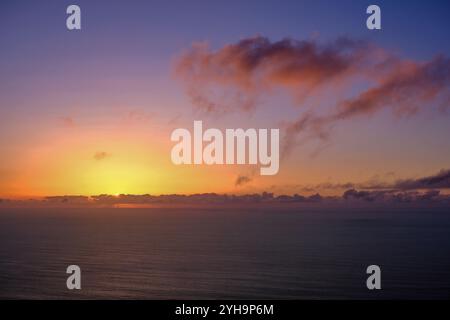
441,180
363,195
68,199
349,197
376,186
392,196
332,186
241,180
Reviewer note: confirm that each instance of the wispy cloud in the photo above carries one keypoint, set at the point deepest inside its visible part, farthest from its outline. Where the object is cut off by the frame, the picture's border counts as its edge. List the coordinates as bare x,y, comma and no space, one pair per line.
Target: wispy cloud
68,122
441,180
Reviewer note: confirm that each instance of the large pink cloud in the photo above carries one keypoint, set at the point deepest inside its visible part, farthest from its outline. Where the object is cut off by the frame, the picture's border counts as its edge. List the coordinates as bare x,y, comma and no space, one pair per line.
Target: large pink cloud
236,75
255,65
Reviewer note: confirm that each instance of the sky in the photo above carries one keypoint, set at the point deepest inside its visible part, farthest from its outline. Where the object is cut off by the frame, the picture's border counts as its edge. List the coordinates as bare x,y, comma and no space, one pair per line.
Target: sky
91,111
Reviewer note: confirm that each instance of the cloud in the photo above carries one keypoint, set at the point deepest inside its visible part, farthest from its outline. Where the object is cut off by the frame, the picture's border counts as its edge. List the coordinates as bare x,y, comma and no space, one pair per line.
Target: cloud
68,122
422,191
376,186
441,180
68,199
241,180
235,76
101,155
364,195
431,196
242,71
313,126
406,88
266,200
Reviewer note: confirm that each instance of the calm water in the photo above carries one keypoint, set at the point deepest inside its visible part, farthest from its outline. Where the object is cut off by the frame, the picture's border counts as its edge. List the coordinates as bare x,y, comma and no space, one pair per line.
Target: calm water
218,254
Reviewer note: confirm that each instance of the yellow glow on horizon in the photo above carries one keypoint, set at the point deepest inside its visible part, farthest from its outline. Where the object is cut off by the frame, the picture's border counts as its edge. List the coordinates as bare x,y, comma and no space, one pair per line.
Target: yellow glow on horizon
81,165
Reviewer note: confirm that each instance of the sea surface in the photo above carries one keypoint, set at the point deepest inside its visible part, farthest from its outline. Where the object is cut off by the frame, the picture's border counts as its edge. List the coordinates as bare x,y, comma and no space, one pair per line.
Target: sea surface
151,253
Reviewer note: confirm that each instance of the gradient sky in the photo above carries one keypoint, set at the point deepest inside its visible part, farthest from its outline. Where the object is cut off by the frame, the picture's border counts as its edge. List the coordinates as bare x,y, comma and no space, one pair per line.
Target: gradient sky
91,111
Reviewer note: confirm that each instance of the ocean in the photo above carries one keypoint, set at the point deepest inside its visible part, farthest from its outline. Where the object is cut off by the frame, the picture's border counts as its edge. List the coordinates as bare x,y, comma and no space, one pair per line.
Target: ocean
154,253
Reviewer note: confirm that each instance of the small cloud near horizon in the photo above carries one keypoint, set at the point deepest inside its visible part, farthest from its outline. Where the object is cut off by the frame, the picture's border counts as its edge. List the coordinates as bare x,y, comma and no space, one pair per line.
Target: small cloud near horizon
241,180
100,155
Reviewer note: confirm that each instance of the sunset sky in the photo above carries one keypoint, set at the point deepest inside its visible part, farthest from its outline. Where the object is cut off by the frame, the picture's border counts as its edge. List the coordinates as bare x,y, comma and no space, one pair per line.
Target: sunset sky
90,112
